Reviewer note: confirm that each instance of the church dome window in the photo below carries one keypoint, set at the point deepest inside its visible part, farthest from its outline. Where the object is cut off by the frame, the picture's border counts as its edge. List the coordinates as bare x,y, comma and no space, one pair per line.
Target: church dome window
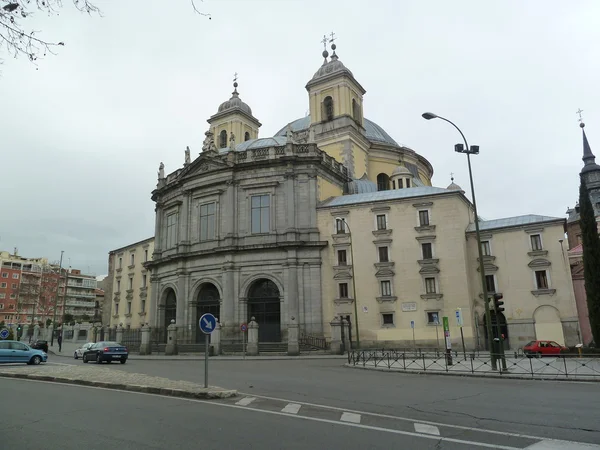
383,182
246,136
223,139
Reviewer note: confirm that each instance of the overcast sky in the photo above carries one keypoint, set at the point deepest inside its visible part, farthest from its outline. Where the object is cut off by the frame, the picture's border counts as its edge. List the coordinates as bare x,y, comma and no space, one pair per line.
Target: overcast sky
82,136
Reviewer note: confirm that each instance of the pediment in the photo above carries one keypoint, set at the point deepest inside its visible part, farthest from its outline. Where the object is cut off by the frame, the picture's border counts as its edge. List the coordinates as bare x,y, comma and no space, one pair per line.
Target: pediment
429,269
203,164
489,267
539,262
385,272
343,276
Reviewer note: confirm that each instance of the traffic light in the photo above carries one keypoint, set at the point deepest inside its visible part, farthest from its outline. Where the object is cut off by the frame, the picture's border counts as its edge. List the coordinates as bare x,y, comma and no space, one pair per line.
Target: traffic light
498,303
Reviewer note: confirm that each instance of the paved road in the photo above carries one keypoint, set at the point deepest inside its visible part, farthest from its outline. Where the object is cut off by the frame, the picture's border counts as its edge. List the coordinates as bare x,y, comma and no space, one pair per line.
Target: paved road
557,410
73,417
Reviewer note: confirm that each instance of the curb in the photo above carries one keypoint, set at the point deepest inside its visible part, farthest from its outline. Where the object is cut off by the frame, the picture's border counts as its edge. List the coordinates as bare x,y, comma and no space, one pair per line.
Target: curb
220,358
474,375
167,392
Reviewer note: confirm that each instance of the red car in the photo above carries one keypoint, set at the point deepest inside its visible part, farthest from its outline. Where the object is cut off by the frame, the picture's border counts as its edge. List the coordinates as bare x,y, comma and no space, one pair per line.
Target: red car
543,348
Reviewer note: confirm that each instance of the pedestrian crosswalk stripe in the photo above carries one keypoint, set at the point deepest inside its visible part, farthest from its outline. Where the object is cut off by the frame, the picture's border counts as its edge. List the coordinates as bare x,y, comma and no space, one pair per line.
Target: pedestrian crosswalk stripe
245,401
350,417
428,429
291,408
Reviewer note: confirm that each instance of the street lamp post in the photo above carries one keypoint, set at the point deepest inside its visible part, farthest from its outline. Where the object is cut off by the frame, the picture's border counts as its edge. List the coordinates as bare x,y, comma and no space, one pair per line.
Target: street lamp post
474,150
353,283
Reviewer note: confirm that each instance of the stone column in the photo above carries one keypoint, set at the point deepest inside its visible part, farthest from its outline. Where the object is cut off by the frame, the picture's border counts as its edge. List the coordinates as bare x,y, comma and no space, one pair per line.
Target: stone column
49,332
252,348
292,286
293,344
171,348
290,198
215,340
336,346
76,329
36,331
346,333
228,302
154,298
182,301
25,332
145,347
119,337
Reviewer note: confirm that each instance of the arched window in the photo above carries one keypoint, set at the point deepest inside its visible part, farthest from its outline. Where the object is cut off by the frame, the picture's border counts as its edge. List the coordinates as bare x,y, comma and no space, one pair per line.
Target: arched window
246,136
223,139
328,108
356,111
383,182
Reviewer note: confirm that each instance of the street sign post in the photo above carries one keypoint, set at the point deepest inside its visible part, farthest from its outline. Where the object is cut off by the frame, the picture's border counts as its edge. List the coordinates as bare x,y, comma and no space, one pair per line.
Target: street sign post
207,324
244,328
459,322
447,339
4,333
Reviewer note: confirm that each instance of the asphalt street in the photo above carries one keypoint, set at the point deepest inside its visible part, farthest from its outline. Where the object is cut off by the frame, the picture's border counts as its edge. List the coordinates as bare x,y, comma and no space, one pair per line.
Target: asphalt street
54,416
556,410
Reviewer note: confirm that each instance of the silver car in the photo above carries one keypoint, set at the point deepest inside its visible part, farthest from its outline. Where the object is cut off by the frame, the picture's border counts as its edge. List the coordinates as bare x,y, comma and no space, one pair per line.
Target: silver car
79,352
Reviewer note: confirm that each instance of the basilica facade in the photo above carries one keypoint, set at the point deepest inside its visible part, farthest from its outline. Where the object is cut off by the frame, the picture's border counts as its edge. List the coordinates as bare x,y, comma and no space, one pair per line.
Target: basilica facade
329,217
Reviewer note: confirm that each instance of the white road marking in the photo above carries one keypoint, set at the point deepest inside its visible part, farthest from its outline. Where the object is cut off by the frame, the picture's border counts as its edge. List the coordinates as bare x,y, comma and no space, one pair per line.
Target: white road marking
291,408
347,424
561,445
245,401
350,417
428,429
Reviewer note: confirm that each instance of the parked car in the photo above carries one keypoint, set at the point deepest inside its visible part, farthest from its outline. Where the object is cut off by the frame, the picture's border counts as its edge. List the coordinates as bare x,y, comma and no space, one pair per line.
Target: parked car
543,348
40,345
80,351
106,351
18,352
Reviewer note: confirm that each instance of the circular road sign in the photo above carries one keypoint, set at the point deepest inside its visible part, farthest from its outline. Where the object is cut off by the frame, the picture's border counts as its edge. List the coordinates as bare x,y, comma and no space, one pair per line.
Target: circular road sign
4,333
244,327
207,323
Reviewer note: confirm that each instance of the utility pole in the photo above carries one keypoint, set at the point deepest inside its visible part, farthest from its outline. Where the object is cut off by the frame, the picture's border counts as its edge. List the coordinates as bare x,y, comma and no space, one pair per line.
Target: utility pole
56,300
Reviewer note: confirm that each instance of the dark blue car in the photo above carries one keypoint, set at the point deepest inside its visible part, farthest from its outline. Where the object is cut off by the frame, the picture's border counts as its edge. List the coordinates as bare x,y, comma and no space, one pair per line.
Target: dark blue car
106,351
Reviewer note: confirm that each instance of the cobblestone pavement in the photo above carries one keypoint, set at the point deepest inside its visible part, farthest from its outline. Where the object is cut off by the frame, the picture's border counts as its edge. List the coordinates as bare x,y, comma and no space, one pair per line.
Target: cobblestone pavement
93,375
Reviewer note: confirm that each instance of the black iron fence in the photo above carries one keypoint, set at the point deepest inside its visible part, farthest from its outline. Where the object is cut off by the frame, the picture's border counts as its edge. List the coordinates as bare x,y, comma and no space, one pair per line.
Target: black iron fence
550,367
312,342
132,338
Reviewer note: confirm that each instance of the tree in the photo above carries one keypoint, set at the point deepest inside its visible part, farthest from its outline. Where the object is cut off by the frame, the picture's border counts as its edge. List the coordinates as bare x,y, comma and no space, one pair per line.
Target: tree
20,41
591,258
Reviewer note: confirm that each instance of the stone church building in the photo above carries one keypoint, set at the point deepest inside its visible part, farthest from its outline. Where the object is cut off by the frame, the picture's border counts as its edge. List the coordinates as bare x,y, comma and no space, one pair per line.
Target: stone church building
262,227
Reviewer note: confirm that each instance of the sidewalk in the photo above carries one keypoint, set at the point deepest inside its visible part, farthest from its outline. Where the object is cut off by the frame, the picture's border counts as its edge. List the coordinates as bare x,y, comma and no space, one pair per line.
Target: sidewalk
116,379
68,349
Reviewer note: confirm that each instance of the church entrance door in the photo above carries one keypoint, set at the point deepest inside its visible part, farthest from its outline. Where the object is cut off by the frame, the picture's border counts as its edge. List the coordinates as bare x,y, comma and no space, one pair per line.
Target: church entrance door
265,306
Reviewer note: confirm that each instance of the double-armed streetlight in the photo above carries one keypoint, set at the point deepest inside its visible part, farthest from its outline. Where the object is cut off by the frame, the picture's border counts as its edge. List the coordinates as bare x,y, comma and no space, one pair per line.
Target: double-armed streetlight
473,150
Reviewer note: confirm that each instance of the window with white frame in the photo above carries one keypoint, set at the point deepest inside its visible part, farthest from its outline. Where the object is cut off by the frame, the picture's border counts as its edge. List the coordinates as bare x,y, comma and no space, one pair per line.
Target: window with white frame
128,307
130,284
1,305
13,285
146,255
424,217
386,288
118,285
536,242
13,296
430,285
342,257
541,279
427,250
172,220
15,276
120,263
3,285
207,221
340,226
387,319
2,295
4,274
143,306
485,248
144,280
6,317
132,259
343,290
381,222
433,317
384,253
261,213
116,309
490,283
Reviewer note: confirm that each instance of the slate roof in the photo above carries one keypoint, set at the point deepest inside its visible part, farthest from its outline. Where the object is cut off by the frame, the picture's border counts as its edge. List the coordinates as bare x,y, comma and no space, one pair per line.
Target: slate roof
516,221
374,132
276,141
384,195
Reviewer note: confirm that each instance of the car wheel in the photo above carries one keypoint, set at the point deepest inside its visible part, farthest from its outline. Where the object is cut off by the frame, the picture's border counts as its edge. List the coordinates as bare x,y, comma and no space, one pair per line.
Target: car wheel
123,361
98,358
75,355
85,360
36,360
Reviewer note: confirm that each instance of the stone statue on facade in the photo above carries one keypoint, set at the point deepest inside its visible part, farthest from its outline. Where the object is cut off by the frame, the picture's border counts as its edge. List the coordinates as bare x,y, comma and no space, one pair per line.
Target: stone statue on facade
232,141
161,171
209,142
311,135
187,156
289,134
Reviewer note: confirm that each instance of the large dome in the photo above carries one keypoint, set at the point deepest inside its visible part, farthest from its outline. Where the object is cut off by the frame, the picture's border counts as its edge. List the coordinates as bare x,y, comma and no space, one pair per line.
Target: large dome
333,66
374,132
235,102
